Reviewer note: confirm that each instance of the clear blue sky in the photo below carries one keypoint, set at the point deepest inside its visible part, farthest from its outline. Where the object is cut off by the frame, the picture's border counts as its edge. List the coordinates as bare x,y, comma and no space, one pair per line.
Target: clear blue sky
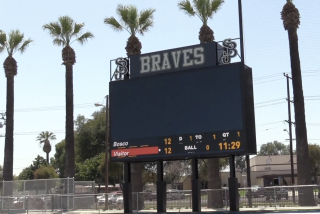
40,83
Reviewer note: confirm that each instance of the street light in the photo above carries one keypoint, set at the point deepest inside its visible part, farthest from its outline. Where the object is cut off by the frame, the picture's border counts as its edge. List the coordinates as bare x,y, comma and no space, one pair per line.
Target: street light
106,152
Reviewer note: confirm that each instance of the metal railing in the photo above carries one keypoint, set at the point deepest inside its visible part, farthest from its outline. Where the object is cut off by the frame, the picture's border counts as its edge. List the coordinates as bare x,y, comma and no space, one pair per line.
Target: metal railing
266,198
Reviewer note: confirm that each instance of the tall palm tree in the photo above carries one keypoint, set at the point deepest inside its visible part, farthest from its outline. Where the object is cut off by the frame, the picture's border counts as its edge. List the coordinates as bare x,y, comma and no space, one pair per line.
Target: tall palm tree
15,41
205,9
64,32
44,138
291,21
133,22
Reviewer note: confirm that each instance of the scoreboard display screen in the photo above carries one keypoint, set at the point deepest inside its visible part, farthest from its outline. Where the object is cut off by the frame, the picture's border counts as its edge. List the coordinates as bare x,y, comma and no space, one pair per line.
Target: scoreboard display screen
199,113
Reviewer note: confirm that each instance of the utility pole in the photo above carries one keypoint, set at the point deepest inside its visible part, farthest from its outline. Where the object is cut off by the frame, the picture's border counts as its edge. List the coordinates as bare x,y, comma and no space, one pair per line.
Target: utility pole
290,134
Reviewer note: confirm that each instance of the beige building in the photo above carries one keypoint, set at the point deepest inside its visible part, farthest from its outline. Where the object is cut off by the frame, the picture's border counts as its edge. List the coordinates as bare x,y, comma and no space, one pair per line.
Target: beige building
267,171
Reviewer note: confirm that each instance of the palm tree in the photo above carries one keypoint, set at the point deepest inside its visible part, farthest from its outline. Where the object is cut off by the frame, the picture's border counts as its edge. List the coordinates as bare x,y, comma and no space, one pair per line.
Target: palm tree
134,23
45,137
291,21
64,32
204,9
13,43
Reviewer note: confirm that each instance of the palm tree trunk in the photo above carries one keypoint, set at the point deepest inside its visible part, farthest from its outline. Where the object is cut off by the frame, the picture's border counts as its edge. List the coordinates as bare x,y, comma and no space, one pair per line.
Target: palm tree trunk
47,158
303,161
214,184
70,159
8,148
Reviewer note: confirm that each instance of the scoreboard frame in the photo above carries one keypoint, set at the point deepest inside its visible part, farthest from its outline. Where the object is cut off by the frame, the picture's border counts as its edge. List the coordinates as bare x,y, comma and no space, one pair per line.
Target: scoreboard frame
142,152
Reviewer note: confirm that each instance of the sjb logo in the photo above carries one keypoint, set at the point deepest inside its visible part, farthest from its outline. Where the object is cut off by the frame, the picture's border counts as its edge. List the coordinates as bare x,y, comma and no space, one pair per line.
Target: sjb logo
122,68
229,51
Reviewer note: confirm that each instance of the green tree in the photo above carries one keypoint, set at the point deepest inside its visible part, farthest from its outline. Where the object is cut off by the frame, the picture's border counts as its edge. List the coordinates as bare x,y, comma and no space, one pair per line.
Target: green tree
89,169
44,138
59,160
240,162
45,172
28,172
133,22
314,154
274,148
291,20
65,31
90,135
204,9
15,41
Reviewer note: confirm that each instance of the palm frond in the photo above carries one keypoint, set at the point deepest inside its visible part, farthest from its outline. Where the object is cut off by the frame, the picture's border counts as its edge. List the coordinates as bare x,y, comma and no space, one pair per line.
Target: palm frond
215,6
144,28
15,39
3,40
59,42
146,16
123,12
25,45
133,23
66,24
77,28
113,23
186,7
84,37
200,7
53,28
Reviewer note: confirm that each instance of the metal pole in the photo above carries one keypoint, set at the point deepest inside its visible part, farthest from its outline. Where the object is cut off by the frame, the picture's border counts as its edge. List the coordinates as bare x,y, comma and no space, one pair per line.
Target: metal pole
241,31
106,154
290,136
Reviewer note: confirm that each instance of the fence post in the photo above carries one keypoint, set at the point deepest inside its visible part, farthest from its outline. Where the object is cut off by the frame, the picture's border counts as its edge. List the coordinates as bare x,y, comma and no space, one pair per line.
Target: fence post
137,202
275,198
73,188
226,199
45,195
2,194
68,193
24,193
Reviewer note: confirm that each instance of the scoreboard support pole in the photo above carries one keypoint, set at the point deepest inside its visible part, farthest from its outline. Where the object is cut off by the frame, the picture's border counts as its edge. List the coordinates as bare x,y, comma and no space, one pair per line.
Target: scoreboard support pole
161,189
127,190
196,187
233,186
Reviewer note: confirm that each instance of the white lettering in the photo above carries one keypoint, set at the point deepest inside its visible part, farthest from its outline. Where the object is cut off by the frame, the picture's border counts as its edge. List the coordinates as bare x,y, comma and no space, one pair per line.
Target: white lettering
176,58
155,62
190,147
225,134
186,59
121,153
117,144
198,55
145,64
165,63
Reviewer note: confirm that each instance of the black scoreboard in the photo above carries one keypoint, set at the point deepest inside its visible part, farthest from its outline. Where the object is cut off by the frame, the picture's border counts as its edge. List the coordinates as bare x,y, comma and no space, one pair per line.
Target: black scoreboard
202,112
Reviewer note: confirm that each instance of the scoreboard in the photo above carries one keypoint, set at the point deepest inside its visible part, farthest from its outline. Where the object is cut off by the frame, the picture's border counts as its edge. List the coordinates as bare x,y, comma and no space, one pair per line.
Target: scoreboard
202,112
197,113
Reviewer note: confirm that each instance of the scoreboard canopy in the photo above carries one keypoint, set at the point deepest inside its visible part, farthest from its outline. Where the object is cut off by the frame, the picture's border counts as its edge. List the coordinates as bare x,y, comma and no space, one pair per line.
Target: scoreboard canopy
170,111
